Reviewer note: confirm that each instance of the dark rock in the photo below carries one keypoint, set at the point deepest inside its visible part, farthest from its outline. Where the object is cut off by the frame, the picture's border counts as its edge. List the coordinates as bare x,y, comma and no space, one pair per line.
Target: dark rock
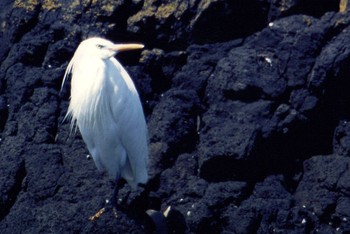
176,23
197,196
341,140
156,222
16,24
224,20
323,190
42,178
201,62
13,173
234,123
3,113
279,9
243,94
173,119
175,221
162,66
229,133
260,212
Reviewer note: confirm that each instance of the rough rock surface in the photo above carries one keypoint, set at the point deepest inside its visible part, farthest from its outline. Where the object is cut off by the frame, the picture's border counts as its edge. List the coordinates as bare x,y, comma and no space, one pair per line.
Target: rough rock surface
247,104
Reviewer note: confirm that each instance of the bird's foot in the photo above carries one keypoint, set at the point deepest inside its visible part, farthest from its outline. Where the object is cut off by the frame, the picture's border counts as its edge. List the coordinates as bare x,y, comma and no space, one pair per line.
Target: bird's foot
115,212
97,215
109,206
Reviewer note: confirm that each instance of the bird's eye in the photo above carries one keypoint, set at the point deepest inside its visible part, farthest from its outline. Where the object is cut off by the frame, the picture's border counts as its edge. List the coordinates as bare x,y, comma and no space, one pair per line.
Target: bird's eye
100,46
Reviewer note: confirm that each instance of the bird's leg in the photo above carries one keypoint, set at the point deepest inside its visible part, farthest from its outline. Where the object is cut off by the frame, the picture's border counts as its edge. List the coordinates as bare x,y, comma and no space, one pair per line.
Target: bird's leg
141,185
114,198
112,203
97,215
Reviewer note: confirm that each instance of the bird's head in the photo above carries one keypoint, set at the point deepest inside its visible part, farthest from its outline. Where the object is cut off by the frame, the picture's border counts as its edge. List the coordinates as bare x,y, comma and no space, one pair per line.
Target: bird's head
102,48
96,48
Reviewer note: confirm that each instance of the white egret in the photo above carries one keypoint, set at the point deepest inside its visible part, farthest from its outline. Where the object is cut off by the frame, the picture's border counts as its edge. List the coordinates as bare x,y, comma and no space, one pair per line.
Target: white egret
107,110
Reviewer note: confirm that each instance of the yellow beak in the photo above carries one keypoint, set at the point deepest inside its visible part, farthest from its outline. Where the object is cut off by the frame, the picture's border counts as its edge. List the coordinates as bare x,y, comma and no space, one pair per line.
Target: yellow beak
124,47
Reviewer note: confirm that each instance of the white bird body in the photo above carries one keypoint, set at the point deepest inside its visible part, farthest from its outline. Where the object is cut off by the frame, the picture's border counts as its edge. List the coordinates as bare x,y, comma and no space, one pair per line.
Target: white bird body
106,107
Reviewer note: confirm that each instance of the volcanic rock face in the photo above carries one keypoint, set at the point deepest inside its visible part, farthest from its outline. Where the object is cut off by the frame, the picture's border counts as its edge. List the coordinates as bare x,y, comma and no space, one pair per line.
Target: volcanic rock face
247,104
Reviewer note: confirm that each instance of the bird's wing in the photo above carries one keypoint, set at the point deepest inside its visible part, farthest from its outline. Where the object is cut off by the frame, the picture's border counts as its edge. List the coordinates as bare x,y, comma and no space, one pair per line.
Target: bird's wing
133,125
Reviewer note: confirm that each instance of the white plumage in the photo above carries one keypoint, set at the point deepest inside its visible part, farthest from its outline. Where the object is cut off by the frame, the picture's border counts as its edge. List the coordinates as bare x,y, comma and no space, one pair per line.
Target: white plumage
107,110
